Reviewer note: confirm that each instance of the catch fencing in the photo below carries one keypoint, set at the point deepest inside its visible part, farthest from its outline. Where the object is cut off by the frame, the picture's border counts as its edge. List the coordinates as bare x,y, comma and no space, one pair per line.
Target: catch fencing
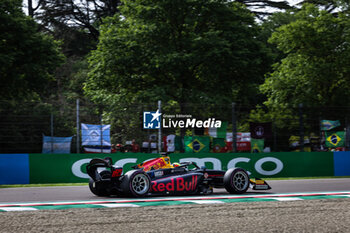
22,127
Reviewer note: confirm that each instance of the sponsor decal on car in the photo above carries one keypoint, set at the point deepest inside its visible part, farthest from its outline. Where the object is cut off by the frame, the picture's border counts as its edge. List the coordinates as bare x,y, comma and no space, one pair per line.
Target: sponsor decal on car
175,184
158,173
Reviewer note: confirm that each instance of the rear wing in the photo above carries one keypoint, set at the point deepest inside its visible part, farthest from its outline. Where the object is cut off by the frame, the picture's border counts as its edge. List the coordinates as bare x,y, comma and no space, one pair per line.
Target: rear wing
91,168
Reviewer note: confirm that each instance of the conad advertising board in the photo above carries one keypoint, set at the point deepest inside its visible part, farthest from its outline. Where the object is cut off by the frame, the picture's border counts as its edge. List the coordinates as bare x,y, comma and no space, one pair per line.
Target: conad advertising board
58,168
66,168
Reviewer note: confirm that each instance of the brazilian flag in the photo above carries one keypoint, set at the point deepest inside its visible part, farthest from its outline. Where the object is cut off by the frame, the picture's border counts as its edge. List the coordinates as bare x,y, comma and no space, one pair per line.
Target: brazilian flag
257,145
197,144
335,139
328,125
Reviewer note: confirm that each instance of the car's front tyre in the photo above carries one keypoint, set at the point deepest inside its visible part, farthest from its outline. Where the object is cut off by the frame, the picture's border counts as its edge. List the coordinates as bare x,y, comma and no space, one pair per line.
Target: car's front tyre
236,181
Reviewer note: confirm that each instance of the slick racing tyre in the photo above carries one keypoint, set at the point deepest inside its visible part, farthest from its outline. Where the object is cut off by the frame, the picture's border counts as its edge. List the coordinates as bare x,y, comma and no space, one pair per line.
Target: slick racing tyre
236,181
98,189
136,182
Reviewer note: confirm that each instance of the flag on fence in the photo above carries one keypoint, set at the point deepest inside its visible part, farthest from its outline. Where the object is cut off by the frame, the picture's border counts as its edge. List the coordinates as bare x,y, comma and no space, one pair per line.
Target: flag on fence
56,145
97,149
294,141
196,143
243,141
261,130
172,143
328,125
218,132
335,139
240,137
91,135
219,145
257,145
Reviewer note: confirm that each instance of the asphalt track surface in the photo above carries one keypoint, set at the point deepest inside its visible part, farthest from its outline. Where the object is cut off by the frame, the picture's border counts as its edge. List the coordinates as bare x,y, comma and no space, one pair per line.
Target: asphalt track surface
71,193
327,215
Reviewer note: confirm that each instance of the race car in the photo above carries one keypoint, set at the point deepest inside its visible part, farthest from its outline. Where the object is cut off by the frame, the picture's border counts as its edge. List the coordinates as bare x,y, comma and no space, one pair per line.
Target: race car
160,177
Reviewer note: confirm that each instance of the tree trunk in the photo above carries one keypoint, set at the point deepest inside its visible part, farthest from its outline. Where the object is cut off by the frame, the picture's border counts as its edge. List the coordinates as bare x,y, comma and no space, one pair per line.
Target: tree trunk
30,8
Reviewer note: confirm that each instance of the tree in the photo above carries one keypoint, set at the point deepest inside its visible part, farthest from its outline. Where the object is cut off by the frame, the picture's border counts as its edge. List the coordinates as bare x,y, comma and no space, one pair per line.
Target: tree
180,52
28,61
32,8
314,72
187,51
28,58
264,8
331,6
83,14
269,26
316,68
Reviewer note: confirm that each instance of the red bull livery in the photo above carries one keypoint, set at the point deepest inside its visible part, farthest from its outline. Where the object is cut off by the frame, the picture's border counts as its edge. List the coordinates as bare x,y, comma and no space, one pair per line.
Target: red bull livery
160,177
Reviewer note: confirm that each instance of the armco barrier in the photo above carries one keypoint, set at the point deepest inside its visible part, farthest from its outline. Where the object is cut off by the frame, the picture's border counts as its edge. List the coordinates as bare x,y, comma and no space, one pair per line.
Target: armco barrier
64,168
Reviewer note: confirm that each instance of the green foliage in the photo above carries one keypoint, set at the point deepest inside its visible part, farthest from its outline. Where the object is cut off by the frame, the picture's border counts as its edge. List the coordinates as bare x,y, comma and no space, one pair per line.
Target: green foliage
186,51
329,5
269,26
192,51
82,18
316,68
282,119
265,7
28,62
28,58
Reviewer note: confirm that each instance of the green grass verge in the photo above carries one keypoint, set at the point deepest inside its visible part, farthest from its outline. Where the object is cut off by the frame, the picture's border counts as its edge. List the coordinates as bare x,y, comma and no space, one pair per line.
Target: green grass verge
84,184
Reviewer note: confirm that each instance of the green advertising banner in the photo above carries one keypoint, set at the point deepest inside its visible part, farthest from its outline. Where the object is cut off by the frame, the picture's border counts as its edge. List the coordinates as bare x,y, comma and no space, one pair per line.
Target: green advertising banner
71,168
280,164
66,168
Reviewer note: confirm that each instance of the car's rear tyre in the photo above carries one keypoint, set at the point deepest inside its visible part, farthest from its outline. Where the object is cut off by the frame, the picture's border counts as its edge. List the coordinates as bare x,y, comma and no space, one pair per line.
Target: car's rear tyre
100,190
236,181
136,182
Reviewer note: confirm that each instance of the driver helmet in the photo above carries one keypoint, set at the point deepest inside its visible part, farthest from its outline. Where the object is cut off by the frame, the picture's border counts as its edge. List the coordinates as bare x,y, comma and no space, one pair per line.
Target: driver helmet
176,165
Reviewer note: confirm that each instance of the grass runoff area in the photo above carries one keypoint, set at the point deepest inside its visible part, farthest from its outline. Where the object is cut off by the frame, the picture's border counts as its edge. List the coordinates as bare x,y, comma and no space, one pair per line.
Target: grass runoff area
83,184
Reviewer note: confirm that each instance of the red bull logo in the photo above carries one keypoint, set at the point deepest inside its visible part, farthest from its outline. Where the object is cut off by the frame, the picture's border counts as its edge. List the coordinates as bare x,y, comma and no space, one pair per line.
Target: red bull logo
175,184
153,164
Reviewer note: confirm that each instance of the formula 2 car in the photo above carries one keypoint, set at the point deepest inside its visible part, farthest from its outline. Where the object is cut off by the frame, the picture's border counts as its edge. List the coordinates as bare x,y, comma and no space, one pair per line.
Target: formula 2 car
159,177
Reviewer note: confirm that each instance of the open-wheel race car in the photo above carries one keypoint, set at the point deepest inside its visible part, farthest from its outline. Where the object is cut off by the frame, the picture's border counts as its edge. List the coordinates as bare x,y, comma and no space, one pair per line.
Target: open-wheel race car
159,177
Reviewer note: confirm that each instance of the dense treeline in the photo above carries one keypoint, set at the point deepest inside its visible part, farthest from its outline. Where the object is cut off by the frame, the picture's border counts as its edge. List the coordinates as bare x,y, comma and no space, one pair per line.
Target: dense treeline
123,54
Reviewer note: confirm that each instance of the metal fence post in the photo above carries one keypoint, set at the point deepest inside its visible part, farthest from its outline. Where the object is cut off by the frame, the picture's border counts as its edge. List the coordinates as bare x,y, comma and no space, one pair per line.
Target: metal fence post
347,134
78,126
274,135
51,126
148,132
301,125
320,134
160,128
234,128
101,133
